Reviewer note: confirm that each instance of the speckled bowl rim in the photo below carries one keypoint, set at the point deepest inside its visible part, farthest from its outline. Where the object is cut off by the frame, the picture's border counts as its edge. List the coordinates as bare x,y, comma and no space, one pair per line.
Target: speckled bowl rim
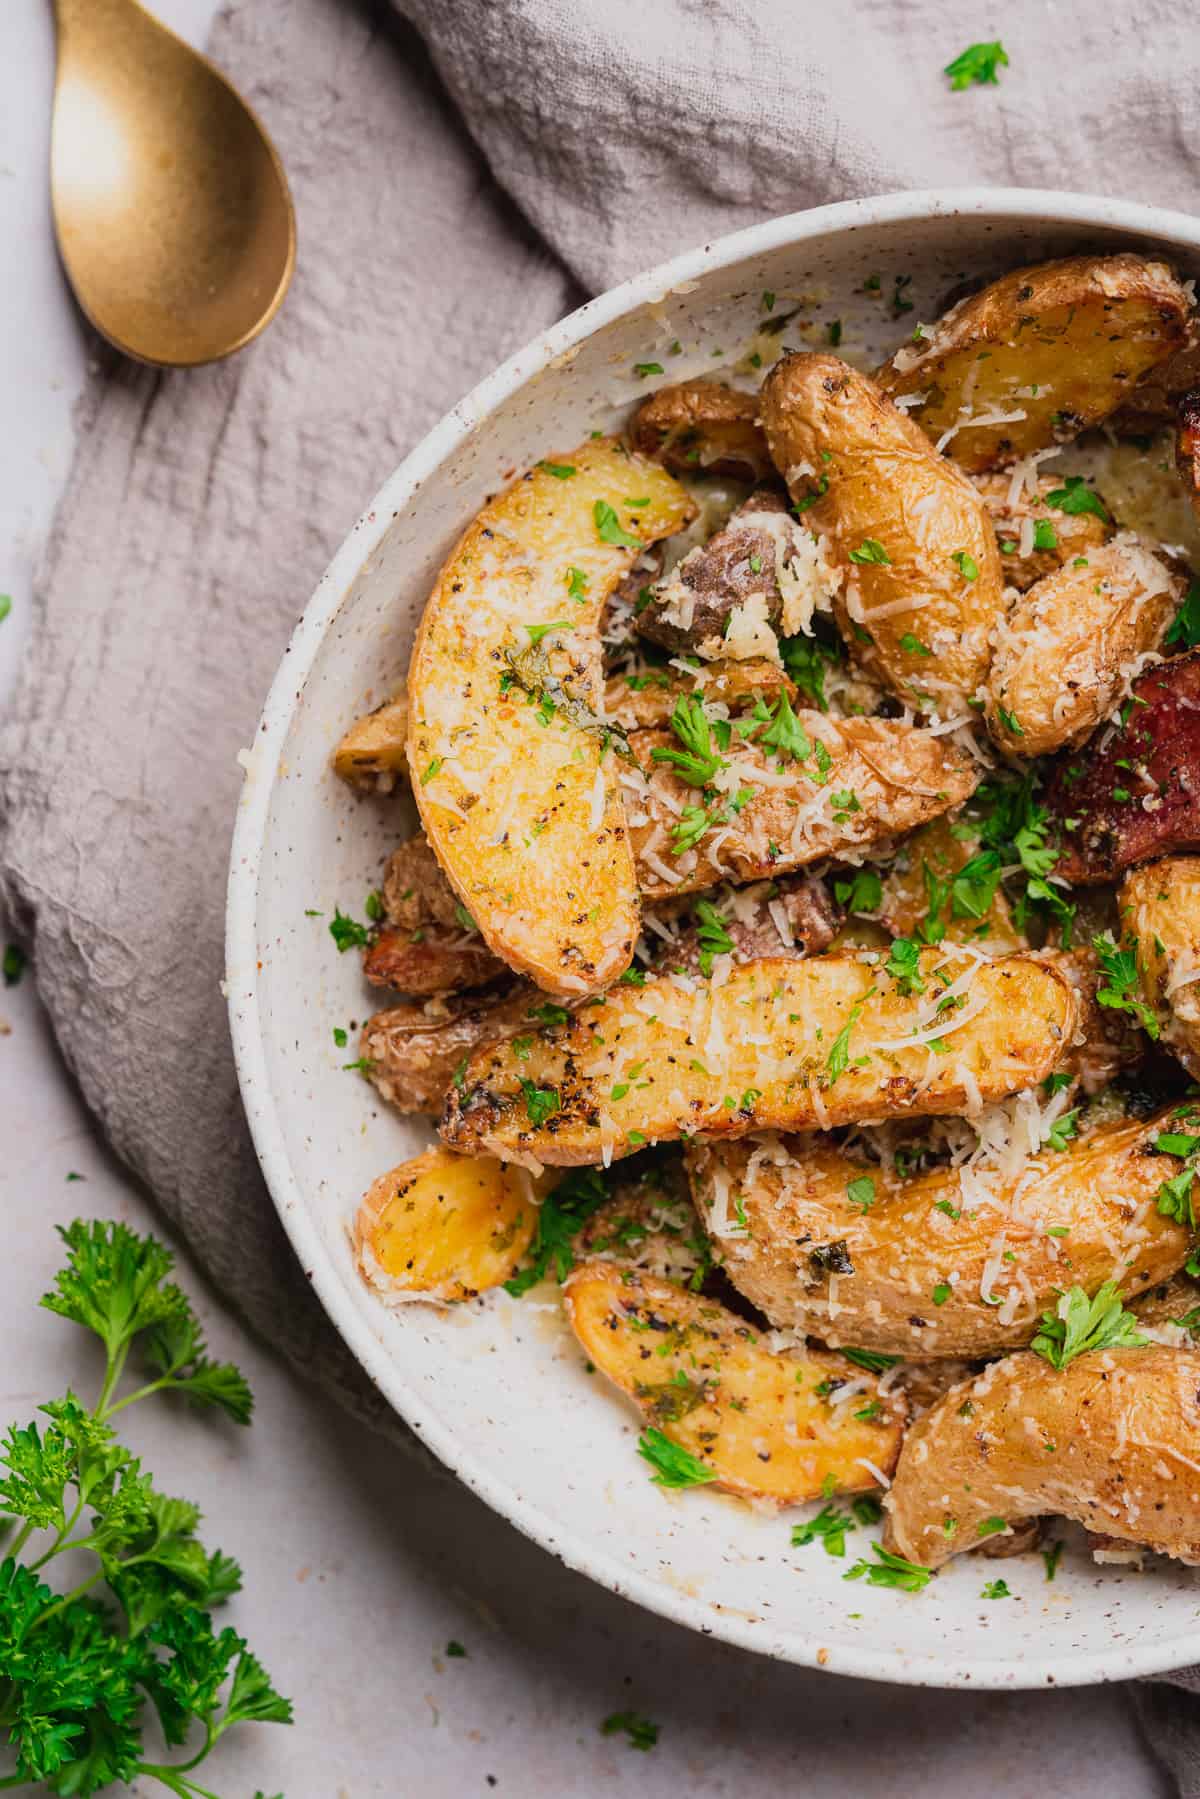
242,936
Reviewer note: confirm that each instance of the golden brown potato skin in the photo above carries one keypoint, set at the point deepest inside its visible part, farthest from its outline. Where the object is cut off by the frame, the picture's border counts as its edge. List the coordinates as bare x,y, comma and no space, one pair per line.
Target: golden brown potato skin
703,428
444,1228
521,805
1067,647
373,754
1075,533
833,432
703,1377
427,945
1064,343
909,1245
412,1051
1160,904
1112,1440
753,1051
896,777
1153,401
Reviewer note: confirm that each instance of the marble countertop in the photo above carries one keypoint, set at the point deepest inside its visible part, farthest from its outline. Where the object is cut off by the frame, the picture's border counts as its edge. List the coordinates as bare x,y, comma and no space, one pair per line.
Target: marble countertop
360,1568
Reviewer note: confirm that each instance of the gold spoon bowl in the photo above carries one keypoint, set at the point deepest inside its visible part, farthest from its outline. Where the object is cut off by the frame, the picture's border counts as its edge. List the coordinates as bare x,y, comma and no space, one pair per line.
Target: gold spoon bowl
174,220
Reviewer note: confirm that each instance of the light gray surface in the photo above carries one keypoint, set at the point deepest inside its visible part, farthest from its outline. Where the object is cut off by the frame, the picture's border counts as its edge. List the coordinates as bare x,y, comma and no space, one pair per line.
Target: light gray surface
359,1567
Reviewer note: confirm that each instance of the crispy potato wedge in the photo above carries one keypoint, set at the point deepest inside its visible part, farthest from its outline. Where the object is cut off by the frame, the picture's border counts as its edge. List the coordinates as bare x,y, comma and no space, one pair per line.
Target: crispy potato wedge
1131,794
373,754
1034,537
921,877
517,790
773,1045
1036,357
946,1263
1187,444
774,1427
1065,651
703,428
645,701
1160,904
922,585
852,783
444,1228
1112,1440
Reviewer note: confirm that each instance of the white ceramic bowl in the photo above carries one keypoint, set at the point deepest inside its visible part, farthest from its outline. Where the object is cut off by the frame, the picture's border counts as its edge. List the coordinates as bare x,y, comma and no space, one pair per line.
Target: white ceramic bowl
497,1389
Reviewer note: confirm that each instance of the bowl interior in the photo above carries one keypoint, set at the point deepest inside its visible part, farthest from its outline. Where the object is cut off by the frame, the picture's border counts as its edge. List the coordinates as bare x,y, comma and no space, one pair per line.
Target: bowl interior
498,1388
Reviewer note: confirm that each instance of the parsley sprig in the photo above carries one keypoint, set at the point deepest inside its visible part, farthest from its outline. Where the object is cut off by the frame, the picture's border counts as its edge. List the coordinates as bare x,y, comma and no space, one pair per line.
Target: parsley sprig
1119,988
697,762
1079,1324
78,1667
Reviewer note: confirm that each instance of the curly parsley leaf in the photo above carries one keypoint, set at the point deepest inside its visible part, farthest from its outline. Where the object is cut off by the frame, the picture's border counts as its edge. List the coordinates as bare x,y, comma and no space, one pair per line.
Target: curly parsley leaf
1119,989
697,762
1076,497
889,1570
978,64
561,1216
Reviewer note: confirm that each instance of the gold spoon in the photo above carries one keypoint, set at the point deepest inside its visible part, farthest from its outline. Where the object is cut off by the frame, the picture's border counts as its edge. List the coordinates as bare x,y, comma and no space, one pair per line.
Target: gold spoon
172,209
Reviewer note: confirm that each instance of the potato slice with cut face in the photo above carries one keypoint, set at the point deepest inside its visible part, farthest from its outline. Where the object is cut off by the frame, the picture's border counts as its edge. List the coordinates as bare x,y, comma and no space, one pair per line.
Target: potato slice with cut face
1160,904
373,754
1036,357
782,1427
1070,643
703,428
444,1227
958,1261
1112,1440
514,772
772,1045
922,584
644,702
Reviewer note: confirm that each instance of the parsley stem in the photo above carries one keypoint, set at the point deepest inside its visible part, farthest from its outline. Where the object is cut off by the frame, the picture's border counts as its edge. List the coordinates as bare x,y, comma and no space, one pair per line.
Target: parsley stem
59,1543
112,1376
154,1386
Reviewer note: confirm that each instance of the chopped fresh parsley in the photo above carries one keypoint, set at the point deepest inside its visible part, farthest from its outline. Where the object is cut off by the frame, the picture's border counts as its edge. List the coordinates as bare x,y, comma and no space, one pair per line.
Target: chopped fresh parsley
608,527
647,368
1051,1557
541,1103
913,646
996,1589
537,632
714,938
785,734
562,471
1079,1324
1076,497
1186,626
642,1732
861,1192
978,64
1010,721
561,1216
340,1037
828,1528
991,1527
873,1360
1063,1130
673,1466
5,606
903,964
697,762
1045,537
577,583
348,933
966,565
806,660
13,964
871,550
1119,992
455,1650
1176,1199
839,1055
862,894
890,1570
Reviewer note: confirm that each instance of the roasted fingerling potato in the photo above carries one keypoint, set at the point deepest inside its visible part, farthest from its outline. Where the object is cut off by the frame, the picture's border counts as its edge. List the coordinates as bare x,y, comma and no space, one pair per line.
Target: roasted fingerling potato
410,1052
1039,355
1160,907
645,701
427,943
834,786
921,586
776,1427
1111,1440
515,771
772,1045
444,1228
1066,651
703,428
957,1261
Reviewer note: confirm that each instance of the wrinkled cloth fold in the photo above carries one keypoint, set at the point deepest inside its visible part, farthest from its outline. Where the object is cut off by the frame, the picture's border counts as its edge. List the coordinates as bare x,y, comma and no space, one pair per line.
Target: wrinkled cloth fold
463,175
